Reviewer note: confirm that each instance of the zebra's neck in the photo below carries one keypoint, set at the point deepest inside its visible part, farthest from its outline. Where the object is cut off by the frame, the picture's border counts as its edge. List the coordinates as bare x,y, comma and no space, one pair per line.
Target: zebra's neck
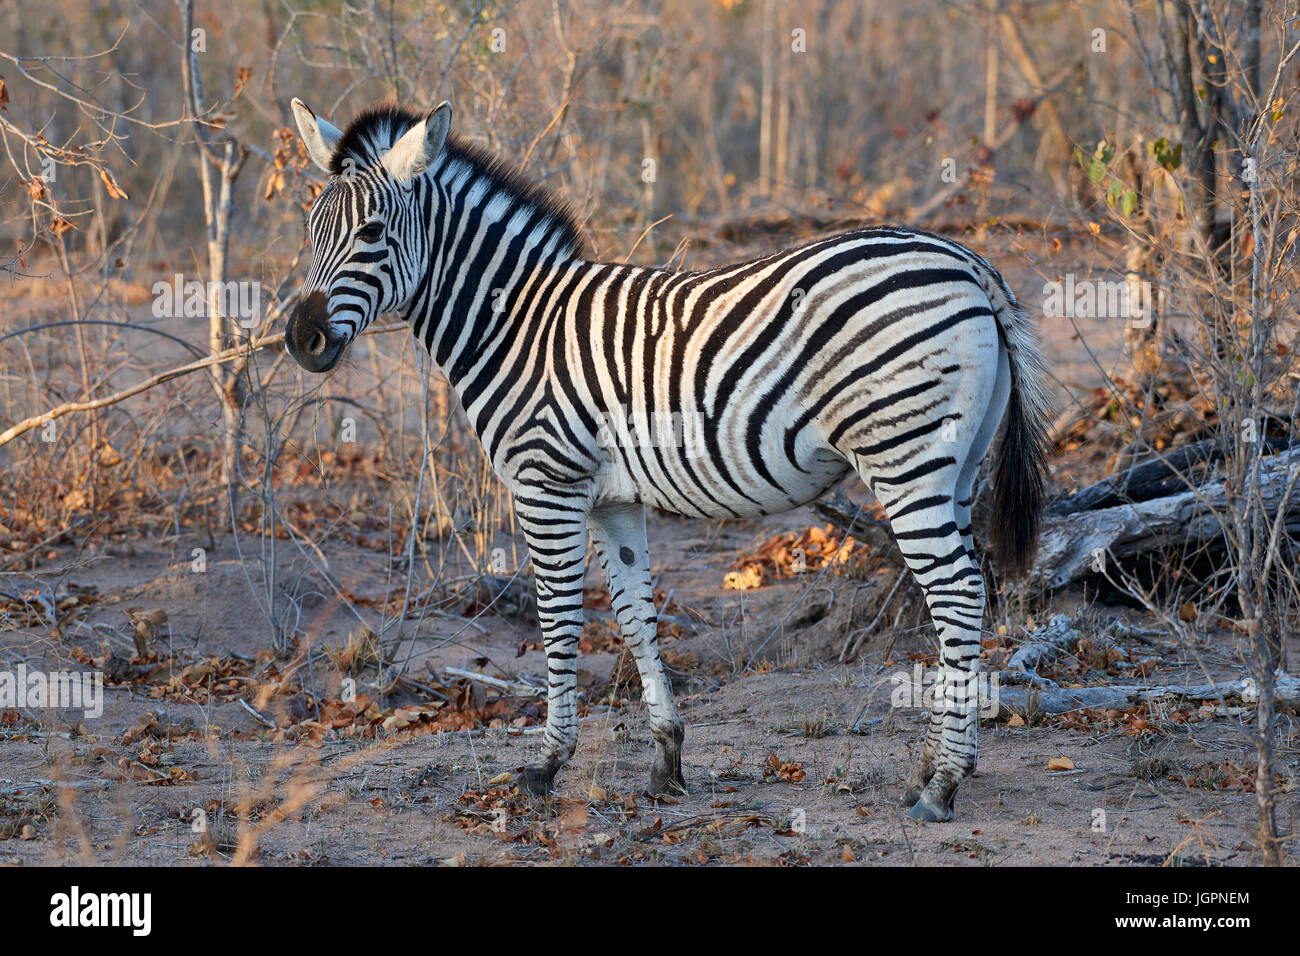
496,242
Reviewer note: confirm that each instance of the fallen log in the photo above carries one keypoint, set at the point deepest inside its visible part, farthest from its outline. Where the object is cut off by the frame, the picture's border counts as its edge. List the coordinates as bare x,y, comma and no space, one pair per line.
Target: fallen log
1061,700
1073,546
1179,470
1122,517
1156,478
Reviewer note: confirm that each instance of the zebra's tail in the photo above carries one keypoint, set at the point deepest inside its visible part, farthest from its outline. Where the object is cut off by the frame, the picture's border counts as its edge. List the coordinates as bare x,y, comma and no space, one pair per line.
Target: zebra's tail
1020,463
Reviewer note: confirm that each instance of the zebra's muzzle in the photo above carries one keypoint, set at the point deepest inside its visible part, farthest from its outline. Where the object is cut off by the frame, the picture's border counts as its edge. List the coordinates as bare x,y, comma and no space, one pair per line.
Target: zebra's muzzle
308,335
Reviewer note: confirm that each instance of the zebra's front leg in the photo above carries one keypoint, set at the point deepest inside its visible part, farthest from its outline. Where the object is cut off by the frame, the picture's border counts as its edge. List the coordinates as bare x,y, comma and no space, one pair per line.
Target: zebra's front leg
557,541
619,534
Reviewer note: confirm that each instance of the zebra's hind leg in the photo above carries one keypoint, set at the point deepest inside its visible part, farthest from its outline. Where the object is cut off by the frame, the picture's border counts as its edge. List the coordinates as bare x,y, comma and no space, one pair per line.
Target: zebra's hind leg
619,533
964,495
556,530
925,523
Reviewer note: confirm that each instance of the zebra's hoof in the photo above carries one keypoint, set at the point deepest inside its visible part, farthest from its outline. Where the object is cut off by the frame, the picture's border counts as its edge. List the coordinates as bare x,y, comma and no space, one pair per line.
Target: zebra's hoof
910,796
929,813
666,772
666,783
538,781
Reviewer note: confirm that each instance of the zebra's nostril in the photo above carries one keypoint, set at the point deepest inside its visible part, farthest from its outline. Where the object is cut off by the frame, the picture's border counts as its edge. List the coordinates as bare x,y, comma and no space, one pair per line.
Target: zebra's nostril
317,344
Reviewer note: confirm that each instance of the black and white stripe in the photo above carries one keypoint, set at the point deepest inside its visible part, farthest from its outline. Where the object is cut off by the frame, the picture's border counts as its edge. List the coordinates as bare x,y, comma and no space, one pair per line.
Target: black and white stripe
751,389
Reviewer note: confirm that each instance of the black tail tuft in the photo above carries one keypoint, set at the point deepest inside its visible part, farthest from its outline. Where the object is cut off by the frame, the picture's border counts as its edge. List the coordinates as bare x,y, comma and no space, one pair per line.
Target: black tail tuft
1019,484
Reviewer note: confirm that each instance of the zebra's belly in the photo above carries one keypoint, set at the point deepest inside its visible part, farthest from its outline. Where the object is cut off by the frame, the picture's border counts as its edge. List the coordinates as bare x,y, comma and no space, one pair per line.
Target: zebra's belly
717,480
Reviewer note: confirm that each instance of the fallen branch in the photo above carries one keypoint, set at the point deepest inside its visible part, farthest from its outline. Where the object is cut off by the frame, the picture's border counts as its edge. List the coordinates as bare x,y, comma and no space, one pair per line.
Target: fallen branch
1046,645
512,687
260,718
1126,515
1061,700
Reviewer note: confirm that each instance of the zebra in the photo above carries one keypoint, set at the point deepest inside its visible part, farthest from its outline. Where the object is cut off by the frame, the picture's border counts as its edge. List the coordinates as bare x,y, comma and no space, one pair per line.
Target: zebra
884,351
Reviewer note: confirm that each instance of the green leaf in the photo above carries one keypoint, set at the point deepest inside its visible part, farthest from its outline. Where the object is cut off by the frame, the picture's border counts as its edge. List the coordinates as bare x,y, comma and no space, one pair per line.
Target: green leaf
1096,171
1170,159
1128,202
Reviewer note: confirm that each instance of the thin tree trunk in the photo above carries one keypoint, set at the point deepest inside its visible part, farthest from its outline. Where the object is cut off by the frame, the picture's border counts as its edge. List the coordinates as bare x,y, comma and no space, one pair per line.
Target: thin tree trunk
217,174
991,74
765,106
1056,143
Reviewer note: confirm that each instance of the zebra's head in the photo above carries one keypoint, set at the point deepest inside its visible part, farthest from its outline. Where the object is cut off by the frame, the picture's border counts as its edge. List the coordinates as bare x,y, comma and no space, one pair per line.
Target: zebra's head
368,227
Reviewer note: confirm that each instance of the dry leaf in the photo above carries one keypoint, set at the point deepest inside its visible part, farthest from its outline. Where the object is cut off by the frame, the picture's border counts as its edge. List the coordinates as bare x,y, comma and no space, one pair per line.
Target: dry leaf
155,618
1060,763
502,777
146,627
1016,721
241,80
108,456
111,185
274,183
751,576
788,555
574,818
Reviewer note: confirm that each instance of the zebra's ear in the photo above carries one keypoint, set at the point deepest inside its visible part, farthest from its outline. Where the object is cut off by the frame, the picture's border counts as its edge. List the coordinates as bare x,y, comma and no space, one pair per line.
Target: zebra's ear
420,145
320,136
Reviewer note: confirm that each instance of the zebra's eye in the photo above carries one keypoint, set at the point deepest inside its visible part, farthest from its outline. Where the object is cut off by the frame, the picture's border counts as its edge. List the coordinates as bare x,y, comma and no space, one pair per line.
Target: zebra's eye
371,232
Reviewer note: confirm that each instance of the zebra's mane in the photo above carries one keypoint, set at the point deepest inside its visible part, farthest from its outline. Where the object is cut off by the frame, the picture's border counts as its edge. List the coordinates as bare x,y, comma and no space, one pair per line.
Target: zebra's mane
375,129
